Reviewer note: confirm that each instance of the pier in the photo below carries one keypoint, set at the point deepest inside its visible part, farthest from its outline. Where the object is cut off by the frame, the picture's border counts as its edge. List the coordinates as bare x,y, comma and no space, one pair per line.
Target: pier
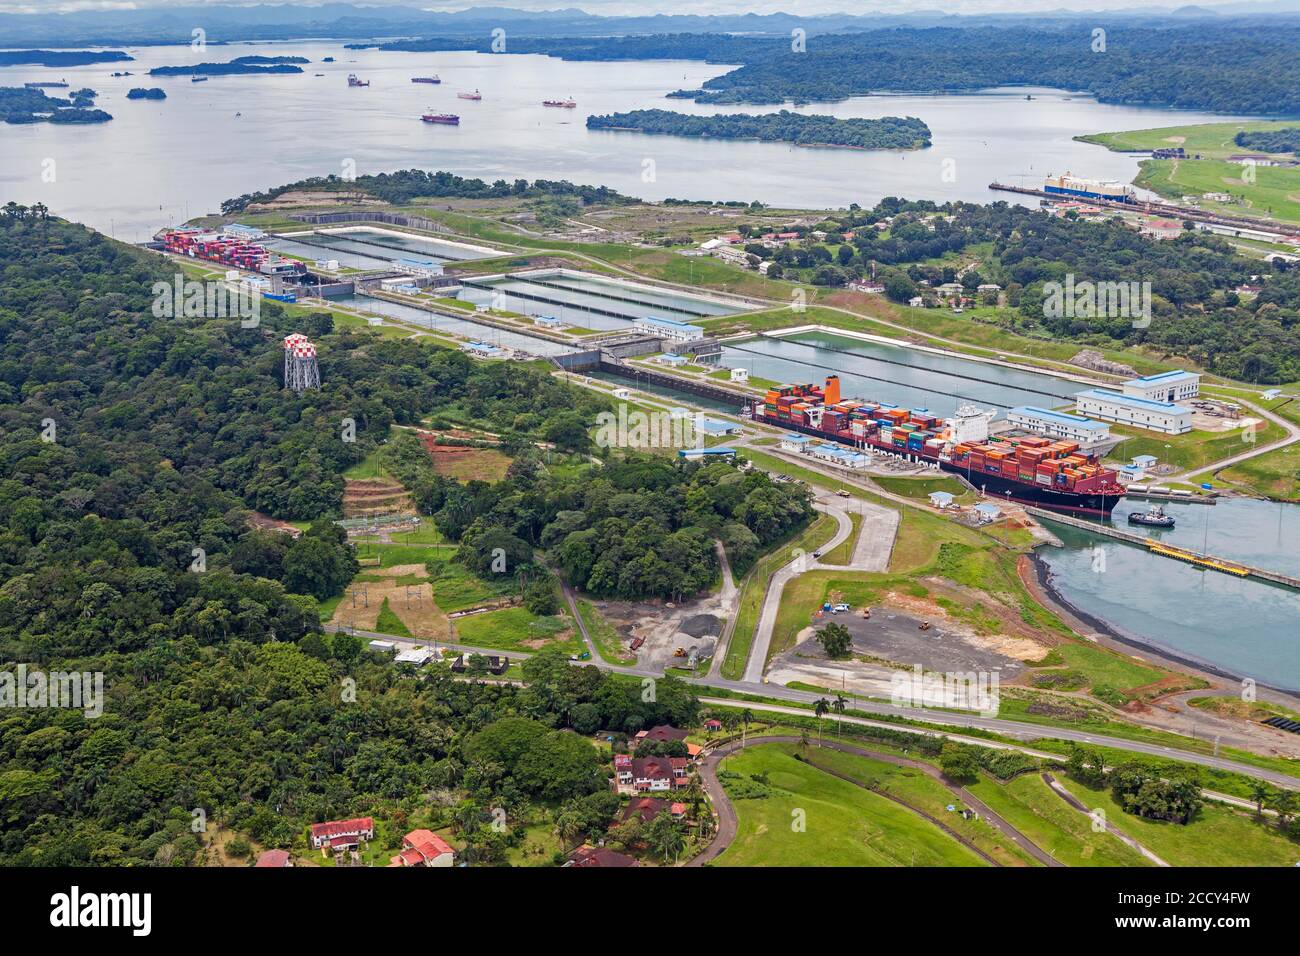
1196,558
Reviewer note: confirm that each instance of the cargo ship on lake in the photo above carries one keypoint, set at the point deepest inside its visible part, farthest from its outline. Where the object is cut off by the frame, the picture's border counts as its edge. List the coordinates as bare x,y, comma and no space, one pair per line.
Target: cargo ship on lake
445,119
1030,470
562,104
426,79
1080,188
476,95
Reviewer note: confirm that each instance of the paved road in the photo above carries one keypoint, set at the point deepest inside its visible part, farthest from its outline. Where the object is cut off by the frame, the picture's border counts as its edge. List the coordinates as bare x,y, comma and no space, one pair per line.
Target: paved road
871,553
1114,831
945,719
725,812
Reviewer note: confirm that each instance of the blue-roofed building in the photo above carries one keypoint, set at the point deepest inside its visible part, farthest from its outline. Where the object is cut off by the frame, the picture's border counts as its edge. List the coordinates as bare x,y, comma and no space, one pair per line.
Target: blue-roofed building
839,455
668,358
1175,386
793,441
695,454
1044,421
418,267
941,499
251,233
714,426
669,329
484,350
1164,417
987,512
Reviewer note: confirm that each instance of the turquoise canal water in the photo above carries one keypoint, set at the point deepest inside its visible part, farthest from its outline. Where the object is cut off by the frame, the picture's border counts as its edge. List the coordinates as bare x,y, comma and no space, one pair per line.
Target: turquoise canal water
589,302
877,371
444,323
1244,627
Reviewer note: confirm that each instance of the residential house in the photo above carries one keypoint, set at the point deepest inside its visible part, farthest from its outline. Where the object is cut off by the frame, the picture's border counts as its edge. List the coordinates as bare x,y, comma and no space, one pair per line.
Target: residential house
664,733
652,774
713,724
274,858
598,856
424,848
342,834
647,808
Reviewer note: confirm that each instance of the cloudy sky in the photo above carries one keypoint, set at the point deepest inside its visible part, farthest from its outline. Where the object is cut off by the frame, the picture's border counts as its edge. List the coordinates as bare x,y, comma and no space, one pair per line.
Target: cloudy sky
643,7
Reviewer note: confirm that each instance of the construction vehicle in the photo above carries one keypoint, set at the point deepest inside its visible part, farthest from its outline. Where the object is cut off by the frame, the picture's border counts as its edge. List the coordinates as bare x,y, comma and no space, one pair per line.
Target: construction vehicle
679,652
925,625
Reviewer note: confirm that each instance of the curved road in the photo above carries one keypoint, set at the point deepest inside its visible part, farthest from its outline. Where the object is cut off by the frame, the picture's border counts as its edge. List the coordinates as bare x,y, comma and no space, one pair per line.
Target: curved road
725,833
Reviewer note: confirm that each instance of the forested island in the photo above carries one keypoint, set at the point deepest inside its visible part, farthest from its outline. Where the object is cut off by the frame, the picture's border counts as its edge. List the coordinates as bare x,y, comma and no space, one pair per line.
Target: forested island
889,132
239,65
1271,141
141,93
22,105
1231,68
405,185
61,57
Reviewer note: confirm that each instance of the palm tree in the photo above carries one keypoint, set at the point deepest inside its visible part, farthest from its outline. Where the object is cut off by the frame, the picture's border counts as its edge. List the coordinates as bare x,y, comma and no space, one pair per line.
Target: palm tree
820,709
746,716
840,702
1259,792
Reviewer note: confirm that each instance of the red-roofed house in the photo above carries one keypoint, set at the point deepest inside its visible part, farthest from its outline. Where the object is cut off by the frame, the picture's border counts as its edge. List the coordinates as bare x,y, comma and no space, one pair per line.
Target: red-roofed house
342,834
275,858
598,856
424,848
713,724
647,808
658,773
664,733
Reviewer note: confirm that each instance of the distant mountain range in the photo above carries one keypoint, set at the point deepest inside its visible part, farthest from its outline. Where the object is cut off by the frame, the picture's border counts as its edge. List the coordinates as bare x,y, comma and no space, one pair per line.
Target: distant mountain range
348,21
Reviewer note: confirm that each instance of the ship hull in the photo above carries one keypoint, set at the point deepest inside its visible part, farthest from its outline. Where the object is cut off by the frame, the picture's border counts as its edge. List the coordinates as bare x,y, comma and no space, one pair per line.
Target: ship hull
994,486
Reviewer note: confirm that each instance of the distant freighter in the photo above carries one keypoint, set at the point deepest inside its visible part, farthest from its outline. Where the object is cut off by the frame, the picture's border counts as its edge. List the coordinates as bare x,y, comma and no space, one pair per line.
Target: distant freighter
476,95
354,80
563,104
446,119
426,79
1068,185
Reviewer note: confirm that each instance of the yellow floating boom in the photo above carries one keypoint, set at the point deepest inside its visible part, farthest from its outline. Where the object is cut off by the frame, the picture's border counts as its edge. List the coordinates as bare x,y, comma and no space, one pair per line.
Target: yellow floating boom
1191,557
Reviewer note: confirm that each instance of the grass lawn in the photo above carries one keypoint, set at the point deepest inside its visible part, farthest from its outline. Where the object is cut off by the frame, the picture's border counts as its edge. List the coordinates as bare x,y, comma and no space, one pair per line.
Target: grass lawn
755,588
464,463
606,639
842,553
516,629
922,791
921,488
1028,805
456,588
1218,836
1195,449
1273,193
390,555
844,825
390,623
426,533
539,846
1211,140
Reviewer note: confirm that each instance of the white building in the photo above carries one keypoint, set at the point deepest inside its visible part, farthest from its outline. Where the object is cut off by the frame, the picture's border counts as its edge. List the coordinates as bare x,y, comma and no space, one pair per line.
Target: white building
1140,412
669,329
418,267
1177,386
1044,421
740,375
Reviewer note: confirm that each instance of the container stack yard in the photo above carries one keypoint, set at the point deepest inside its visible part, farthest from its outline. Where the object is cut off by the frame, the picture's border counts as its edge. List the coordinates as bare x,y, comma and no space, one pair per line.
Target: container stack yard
230,250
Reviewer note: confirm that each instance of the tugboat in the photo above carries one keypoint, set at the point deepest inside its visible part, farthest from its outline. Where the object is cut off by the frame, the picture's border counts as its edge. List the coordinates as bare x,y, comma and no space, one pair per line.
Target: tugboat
476,95
354,80
1155,517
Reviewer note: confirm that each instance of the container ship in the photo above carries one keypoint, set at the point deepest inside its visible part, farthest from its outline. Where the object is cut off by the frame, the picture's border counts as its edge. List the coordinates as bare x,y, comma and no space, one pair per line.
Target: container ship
1030,470
476,95
229,250
1068,185
562,104
426,79
446,119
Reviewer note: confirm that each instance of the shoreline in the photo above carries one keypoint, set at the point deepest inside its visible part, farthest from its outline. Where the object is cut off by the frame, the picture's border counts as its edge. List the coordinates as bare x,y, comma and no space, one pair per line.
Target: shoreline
1111,636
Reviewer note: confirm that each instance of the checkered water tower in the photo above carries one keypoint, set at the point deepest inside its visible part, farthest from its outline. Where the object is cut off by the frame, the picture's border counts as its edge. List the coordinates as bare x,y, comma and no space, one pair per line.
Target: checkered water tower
301,370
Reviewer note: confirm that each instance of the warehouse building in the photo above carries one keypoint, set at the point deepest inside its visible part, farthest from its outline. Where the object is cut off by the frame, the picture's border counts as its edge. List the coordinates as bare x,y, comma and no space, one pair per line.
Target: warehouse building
669,329
1164,417
1044,421
1177,386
